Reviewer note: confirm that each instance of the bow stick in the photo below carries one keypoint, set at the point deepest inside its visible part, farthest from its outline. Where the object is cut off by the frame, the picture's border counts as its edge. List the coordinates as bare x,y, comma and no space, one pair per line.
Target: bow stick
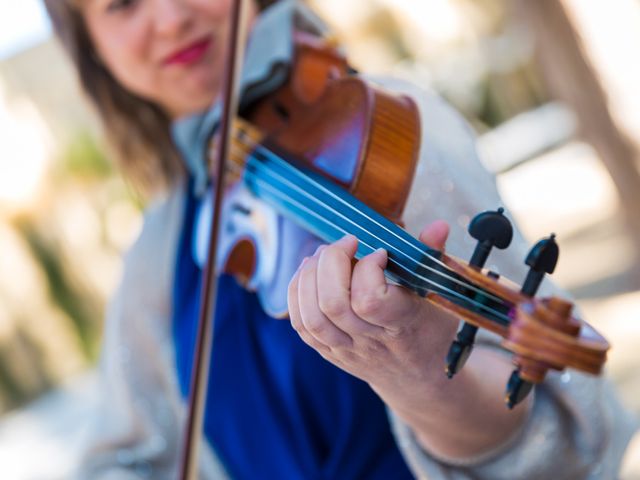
204,339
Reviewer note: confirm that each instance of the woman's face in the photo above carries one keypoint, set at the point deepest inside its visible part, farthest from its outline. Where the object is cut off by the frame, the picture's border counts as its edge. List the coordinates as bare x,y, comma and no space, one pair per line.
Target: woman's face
170,52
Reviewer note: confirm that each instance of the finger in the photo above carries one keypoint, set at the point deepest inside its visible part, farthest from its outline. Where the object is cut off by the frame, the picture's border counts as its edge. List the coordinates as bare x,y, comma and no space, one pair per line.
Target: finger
347,244
313,320
435,234
296,317
334,288
372,298
292,299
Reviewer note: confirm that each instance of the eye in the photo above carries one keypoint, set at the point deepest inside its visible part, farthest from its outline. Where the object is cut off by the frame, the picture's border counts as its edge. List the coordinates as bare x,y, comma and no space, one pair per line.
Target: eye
118,5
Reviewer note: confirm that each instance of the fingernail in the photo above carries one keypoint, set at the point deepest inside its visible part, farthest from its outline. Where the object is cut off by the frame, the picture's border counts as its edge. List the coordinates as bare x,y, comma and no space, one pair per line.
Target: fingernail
381,252
347,238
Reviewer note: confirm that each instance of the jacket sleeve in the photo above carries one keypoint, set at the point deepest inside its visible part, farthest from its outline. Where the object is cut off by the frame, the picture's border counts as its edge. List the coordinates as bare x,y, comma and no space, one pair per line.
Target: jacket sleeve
576,427
136,433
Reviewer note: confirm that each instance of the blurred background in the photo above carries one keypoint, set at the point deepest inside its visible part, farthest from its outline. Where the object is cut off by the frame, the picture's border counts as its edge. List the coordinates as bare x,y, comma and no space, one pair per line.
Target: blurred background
550,86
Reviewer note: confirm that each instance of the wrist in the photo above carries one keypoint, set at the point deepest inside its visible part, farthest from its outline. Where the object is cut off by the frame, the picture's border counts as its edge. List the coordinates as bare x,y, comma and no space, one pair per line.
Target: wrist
463,417
424,379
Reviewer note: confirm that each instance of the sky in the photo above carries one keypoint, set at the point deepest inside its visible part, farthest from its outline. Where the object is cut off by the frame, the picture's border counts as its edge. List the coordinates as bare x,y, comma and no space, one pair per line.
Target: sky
23,23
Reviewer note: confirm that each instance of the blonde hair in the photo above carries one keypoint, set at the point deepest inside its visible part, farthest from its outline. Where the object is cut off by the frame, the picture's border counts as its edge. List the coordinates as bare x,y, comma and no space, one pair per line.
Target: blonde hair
137,130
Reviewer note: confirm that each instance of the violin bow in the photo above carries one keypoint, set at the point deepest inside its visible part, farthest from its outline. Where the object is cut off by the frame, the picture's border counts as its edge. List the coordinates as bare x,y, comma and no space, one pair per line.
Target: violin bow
204,339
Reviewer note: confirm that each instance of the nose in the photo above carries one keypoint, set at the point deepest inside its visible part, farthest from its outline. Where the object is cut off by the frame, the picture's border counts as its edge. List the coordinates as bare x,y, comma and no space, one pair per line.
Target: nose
171,17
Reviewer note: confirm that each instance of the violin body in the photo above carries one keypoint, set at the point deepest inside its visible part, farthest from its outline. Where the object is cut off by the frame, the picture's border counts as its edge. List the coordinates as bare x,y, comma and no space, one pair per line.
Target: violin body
359,136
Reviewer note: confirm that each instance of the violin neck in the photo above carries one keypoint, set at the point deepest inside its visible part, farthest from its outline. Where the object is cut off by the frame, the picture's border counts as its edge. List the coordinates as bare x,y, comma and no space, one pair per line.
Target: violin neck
330,212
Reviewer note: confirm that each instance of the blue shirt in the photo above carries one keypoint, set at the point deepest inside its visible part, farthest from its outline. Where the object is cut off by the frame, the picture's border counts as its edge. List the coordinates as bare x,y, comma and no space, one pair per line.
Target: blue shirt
275,408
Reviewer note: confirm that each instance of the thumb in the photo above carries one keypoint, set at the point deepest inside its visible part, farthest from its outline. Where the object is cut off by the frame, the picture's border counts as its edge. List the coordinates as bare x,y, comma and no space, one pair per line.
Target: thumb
435,234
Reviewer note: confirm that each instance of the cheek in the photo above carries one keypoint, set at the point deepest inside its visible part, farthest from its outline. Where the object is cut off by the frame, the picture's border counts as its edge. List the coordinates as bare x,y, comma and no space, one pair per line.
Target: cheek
124,48
214,10
220,10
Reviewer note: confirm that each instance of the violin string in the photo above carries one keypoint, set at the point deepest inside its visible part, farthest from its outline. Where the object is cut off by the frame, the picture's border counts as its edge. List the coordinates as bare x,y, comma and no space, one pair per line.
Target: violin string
393,247
286,165
419,263
241,160
254,146
282,196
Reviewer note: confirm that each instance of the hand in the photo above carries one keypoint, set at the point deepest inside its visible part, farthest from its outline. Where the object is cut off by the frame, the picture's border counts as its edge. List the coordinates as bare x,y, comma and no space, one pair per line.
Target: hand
397,342
378,332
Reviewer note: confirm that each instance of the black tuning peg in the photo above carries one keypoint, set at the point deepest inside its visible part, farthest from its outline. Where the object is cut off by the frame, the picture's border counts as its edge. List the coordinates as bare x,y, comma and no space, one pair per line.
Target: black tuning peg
517,389
462,346
460,349
542,259
491,229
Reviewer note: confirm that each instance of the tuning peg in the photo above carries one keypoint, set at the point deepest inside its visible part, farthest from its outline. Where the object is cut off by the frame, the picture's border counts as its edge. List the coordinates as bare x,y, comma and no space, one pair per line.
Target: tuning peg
517,389
462,346
542,259
491,229
460,349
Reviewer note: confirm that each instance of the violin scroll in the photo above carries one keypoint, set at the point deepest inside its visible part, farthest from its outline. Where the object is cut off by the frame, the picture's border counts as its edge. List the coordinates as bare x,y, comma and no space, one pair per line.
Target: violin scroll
541,333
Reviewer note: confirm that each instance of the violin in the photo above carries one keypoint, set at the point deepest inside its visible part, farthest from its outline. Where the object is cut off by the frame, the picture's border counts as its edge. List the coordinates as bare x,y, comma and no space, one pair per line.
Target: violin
338,158
337,155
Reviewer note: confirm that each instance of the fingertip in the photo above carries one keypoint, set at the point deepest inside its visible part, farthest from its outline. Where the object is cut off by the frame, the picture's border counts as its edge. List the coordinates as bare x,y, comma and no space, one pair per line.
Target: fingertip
348,239
441,226
382,256
435,234
349,243
378,257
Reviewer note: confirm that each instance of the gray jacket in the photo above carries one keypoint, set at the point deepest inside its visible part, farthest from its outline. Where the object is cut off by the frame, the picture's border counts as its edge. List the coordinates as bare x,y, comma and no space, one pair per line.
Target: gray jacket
576,427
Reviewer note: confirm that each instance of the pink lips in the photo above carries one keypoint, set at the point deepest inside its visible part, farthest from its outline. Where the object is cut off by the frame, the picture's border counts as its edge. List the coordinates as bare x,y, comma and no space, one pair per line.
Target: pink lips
189,55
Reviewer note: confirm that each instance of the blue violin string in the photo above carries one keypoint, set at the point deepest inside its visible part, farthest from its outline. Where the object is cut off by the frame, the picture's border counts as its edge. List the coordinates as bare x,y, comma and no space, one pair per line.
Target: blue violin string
439,288
393,230
253,170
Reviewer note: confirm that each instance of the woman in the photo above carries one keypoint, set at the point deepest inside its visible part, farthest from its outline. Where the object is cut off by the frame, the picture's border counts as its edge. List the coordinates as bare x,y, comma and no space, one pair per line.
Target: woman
153,69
